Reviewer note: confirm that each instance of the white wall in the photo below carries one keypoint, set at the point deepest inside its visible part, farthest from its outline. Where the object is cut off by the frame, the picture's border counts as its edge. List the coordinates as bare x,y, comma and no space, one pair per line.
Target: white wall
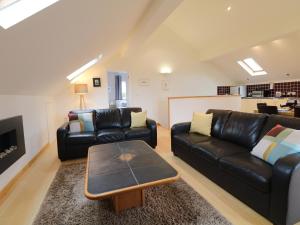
164,47
35,123
181,109
96,98
190,76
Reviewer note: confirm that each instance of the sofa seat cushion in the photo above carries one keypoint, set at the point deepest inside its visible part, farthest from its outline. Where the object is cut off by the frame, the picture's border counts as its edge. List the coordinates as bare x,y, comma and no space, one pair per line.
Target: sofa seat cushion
110,135
190,138
214,149
138,132
81,138
249,169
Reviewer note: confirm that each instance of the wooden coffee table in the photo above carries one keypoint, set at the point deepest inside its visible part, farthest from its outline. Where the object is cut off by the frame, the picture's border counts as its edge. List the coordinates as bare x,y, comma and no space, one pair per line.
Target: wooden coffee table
121,171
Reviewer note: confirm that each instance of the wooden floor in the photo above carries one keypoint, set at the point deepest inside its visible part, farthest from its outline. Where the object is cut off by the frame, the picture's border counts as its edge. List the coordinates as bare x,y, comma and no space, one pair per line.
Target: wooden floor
22,204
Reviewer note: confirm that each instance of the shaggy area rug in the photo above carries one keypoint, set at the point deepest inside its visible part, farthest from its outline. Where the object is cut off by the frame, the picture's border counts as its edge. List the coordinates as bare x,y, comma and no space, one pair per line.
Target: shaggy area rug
177,203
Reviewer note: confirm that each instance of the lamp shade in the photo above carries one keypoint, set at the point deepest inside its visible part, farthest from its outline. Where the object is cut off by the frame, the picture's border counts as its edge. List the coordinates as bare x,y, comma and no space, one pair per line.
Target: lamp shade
81,88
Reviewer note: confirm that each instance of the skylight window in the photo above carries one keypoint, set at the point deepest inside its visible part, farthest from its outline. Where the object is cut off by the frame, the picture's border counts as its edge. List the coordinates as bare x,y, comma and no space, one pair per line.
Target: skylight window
252,67
84,68
15,11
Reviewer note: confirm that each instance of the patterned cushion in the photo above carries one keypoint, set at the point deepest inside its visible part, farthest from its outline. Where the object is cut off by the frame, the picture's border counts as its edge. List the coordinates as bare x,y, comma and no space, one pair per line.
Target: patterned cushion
75,126
277,143
72,116
86,119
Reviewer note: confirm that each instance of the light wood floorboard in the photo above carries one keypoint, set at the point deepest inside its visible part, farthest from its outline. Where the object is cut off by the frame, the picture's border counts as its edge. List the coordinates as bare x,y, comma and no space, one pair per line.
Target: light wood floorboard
22,204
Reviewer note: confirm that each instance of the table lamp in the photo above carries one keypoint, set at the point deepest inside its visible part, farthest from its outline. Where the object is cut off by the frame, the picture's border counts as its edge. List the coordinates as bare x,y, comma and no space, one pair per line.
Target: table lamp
81,90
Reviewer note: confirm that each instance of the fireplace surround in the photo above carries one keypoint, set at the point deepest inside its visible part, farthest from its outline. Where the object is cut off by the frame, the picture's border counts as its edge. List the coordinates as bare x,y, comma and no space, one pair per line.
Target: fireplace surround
12,144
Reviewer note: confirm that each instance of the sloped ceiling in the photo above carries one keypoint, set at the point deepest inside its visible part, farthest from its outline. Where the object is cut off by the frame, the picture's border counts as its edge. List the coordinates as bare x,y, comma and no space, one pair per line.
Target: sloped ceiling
278,57
38,53
213,31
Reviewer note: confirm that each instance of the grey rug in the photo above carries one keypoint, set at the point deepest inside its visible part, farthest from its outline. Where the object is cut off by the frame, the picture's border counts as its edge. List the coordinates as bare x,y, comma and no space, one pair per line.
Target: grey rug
176,203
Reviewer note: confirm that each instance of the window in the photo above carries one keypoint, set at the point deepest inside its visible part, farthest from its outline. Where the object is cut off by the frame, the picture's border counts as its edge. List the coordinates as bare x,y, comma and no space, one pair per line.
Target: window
252,67
14,11
5,3
84,68
124,84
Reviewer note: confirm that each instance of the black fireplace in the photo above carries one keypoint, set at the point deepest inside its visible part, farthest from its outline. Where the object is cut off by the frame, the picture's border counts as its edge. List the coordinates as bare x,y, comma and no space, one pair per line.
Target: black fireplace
12,144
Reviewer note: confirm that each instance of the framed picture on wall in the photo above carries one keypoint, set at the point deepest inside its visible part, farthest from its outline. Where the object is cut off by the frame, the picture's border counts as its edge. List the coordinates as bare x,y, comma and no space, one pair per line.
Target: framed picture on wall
96,82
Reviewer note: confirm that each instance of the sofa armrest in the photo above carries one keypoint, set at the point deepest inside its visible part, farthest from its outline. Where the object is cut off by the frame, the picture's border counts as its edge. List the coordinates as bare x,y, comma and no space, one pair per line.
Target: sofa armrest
61,135
285,198
180,128
151,124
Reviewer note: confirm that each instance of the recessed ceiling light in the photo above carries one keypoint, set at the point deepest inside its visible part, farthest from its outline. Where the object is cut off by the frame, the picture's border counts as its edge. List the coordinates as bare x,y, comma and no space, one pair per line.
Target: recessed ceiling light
228,8
84,68
252,67
19,10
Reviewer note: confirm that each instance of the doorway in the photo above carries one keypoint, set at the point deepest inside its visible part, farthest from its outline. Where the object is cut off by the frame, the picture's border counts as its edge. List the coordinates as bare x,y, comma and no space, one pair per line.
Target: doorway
117,89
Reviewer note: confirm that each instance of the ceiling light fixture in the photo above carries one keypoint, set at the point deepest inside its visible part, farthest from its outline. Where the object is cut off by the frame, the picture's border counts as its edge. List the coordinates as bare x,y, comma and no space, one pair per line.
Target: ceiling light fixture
20,10
84,68
228,8
166,70
252,67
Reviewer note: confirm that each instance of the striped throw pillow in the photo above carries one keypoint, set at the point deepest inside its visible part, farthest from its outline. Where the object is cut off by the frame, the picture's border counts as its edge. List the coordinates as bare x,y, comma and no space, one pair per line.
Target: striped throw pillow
85,119
75,126
277,143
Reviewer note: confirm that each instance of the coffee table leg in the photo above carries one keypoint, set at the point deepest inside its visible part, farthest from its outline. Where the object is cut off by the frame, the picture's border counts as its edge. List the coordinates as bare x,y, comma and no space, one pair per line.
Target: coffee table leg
129,199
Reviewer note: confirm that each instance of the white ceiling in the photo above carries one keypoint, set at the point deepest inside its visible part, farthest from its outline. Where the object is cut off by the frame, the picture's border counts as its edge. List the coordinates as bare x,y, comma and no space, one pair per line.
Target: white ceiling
208,27
278,57
4,3
38,53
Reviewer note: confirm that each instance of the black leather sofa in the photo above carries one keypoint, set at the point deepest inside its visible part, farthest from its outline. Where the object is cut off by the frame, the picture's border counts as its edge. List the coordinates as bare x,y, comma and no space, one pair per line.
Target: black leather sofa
111,125
272,191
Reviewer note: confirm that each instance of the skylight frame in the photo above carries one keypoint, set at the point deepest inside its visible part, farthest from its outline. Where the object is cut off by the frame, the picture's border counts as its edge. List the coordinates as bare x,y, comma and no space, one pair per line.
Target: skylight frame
252,67
20,10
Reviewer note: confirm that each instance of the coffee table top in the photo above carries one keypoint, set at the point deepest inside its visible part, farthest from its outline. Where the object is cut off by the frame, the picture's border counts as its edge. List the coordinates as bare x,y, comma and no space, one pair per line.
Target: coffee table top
123,166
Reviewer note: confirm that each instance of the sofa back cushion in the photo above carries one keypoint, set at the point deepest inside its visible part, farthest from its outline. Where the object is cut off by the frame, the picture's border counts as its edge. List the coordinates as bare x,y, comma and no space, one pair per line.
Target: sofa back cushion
273,120
244,128
126,115
220,118
108,118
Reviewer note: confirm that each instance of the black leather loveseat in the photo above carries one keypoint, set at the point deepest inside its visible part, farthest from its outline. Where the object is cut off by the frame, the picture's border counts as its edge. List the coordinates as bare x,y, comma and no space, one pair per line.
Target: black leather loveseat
111,125
273,191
